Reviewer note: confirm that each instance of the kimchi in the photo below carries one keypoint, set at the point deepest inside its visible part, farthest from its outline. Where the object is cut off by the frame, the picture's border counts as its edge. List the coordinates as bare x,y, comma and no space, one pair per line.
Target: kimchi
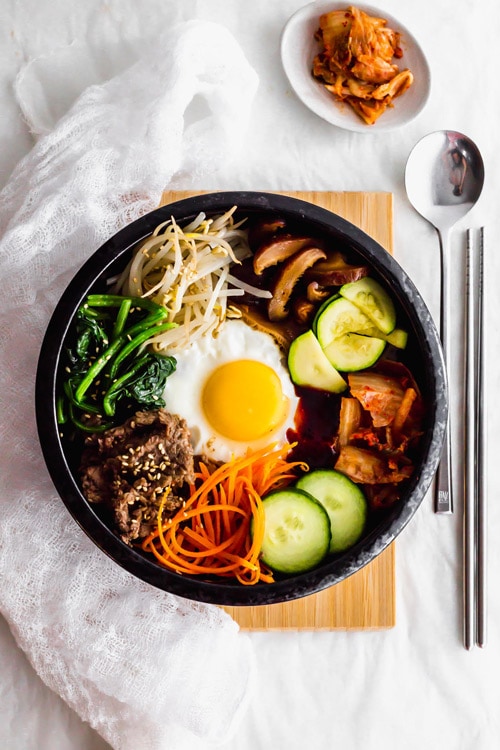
357,61
380,423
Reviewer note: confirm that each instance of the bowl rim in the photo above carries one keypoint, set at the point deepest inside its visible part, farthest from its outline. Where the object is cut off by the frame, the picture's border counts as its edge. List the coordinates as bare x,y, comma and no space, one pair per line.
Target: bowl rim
127,557
318,100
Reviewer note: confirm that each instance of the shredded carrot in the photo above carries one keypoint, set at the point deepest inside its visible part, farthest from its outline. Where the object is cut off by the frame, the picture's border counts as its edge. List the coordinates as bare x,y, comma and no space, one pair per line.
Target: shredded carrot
220,528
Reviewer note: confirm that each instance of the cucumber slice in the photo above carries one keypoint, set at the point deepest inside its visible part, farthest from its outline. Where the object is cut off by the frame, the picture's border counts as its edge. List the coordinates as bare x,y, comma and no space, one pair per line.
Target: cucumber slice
340,317
321,309
354,351
309,365
344,502
297,531
372,299
398,337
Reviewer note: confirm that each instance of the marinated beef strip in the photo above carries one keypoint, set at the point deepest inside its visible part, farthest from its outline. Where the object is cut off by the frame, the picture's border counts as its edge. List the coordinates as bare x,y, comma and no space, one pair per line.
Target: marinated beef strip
130,467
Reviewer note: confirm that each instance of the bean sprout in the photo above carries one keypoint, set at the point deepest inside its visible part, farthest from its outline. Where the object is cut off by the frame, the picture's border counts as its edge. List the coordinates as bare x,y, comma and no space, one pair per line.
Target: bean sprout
186,270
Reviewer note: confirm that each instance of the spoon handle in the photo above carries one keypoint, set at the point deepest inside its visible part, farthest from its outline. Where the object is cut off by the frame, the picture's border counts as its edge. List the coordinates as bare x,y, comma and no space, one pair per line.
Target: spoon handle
443,502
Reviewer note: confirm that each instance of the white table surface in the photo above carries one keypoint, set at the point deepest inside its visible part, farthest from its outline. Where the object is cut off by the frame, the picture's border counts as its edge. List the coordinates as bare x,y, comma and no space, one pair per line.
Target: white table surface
413,686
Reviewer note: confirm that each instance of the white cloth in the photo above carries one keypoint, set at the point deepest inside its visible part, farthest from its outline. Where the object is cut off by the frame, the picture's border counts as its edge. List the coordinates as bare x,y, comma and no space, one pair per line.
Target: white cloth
147,669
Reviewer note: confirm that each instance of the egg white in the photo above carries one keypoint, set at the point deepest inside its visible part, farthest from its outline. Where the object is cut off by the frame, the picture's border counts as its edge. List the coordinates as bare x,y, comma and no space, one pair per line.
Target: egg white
195,364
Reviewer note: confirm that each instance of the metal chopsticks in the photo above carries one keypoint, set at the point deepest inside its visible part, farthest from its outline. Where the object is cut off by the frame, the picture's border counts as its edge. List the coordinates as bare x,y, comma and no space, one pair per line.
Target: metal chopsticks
480,461
470,468
474,540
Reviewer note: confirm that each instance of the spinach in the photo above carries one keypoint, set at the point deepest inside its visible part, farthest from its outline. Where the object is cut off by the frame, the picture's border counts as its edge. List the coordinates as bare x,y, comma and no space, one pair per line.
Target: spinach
143,384
109,373
91,337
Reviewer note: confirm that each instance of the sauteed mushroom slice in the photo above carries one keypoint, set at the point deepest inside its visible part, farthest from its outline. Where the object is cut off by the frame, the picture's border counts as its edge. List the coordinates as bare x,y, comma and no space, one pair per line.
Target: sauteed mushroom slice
317,293
288,276
264,231
334,271
283,333
303,310
278,250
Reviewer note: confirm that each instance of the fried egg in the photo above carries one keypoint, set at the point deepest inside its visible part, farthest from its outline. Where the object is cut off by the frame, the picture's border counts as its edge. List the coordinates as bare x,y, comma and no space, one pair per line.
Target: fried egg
234,392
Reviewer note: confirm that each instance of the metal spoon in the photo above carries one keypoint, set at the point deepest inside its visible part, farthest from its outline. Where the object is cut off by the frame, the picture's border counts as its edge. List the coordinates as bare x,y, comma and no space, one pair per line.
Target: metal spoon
444,178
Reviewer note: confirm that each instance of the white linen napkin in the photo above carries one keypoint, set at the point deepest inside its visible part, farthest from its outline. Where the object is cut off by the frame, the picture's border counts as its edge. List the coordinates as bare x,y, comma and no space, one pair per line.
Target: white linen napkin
146,669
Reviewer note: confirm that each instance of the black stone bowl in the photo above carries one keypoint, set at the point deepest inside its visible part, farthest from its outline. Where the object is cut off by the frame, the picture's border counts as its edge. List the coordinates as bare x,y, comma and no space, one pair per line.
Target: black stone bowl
423,356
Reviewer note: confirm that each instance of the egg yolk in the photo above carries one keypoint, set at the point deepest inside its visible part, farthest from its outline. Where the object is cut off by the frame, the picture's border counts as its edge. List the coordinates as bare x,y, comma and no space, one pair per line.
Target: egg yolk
243,400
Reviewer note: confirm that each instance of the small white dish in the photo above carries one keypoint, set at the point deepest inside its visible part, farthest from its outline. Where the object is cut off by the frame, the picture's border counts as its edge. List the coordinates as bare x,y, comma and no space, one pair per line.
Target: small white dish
299,47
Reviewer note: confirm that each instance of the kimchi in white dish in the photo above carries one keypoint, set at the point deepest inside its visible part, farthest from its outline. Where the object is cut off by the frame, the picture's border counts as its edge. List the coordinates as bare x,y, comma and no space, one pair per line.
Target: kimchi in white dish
358,61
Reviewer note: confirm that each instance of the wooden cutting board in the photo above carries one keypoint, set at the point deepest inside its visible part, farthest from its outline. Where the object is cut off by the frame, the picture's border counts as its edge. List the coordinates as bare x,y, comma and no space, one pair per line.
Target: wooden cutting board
367,599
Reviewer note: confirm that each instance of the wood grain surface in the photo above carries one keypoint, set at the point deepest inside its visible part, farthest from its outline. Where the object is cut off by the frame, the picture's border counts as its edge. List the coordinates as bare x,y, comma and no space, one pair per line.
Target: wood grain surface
367,599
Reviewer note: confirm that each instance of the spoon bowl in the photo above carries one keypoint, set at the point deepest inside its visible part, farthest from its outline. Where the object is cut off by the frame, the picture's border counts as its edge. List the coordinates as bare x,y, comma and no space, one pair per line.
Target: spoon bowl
444,178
